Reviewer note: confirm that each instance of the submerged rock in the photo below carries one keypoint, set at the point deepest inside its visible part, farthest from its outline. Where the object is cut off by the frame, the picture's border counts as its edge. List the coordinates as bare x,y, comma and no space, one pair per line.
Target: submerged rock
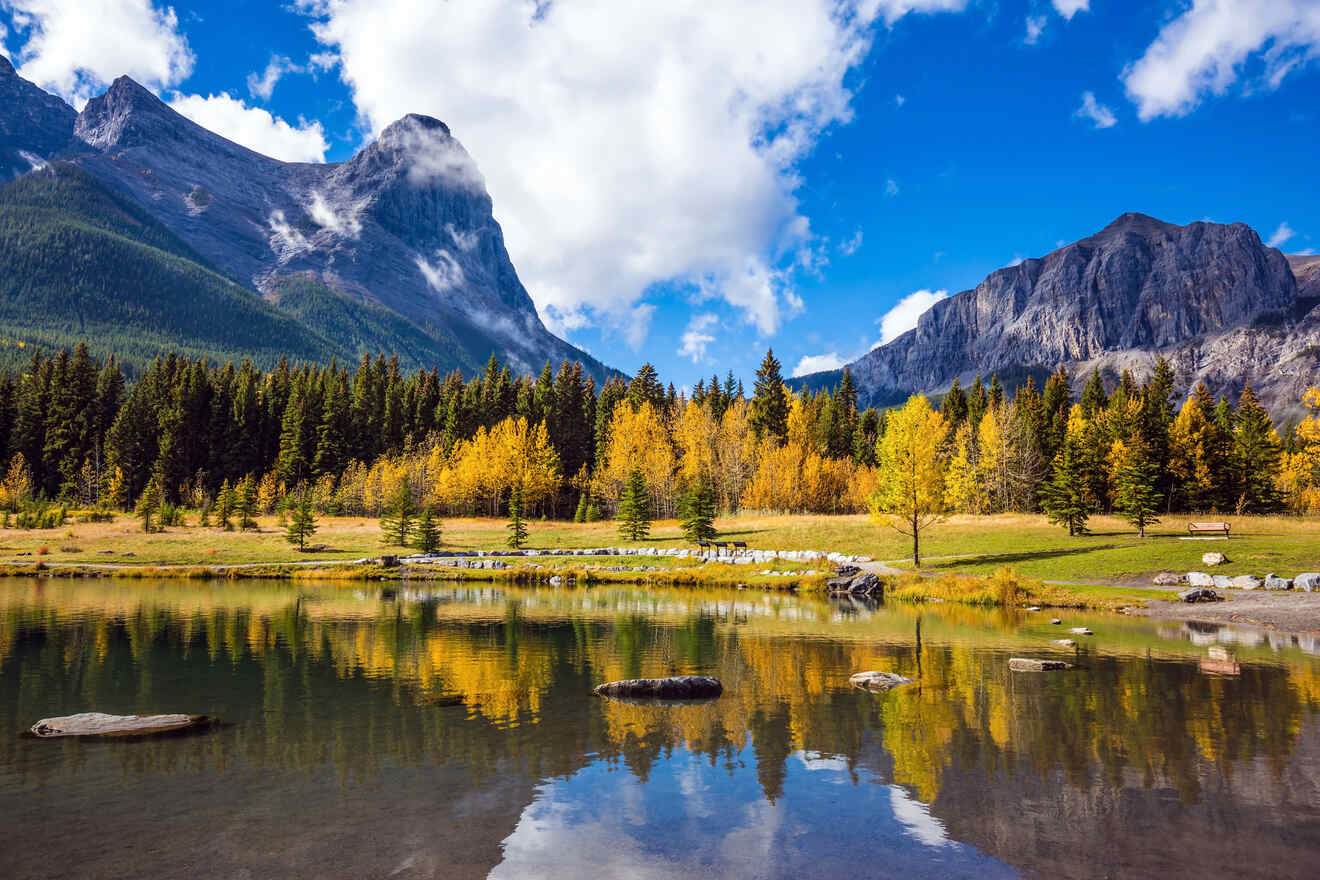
878,681
100,724
1029,664
679,687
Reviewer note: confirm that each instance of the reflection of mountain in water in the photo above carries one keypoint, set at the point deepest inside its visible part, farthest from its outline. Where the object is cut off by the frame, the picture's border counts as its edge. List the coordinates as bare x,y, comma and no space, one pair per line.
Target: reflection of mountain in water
371,735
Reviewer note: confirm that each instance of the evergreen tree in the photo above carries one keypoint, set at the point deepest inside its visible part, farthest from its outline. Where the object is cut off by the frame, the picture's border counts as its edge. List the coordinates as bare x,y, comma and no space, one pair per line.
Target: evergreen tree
302,521
635,509
245,503
769,415
1065,497
224,507
428,532
698,512
517,525
1136,497
396,523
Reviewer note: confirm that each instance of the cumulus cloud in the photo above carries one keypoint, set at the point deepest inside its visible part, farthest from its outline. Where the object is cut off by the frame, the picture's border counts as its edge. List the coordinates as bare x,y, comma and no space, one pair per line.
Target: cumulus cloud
1094,112
1069,8
76,47
697,337
1281,235
254,127
1035,27
903,317
1205,50
818,363
262,85
625,145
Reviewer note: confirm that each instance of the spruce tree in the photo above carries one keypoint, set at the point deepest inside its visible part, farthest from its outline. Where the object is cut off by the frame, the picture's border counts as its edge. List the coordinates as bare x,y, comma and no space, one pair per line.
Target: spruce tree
1064,496
396,523
302,522
427,539
769,416
517,525
635,509
1135,497
698,512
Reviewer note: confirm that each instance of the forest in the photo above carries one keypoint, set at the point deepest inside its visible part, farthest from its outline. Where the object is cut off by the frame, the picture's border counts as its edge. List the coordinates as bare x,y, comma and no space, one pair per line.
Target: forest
75,430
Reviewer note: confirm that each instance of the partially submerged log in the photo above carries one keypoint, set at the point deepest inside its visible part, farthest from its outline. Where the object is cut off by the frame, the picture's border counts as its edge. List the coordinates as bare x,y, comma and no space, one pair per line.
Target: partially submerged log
1028,664
101,724
878,682
679,687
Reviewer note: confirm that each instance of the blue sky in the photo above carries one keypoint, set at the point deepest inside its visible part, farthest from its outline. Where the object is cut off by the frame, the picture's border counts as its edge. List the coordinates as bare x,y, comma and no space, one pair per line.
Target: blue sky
688,183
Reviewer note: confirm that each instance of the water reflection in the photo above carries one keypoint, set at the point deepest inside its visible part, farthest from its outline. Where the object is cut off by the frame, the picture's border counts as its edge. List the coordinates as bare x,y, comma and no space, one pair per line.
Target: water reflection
451,732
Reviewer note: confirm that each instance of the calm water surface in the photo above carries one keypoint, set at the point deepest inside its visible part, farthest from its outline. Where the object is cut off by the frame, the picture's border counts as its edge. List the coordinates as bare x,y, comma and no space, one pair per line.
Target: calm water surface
451,732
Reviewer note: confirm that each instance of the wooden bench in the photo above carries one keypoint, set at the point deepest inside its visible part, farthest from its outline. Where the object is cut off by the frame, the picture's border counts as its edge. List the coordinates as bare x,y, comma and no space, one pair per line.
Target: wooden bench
1195,528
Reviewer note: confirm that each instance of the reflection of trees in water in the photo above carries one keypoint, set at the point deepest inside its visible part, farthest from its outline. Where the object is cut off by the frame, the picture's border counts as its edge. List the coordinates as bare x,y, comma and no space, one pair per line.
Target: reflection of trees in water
312,684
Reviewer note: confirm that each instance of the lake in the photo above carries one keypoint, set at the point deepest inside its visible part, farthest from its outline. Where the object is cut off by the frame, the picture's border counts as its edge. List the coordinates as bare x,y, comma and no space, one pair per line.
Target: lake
449,730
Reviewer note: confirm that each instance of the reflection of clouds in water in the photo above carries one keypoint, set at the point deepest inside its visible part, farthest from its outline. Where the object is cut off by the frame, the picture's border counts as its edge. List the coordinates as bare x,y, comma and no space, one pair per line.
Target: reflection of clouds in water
915,816
694,818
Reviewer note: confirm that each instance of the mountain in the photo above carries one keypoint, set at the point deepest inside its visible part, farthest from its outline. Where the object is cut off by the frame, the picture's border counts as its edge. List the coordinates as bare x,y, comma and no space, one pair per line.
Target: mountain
395,250
1214,300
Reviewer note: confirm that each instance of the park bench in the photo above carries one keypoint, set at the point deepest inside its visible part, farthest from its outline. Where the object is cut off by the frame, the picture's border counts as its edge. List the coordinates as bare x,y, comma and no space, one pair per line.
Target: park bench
1196,528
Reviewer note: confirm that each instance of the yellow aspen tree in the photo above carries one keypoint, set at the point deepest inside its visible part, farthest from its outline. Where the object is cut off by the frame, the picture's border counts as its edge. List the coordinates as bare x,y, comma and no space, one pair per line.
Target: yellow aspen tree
910,495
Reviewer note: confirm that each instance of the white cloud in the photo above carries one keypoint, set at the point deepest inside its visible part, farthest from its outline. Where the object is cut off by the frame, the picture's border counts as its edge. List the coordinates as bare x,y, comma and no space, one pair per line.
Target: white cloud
1035,27
76,47
1281,235
697,337
891,187
818,363
903,317
852,245
625,145
263,85
254,127
1096,113
1204,50
1069,8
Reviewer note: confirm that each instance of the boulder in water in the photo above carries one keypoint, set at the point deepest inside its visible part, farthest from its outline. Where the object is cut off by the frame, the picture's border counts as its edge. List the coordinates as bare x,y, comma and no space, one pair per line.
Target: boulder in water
679,687
878,681
101,724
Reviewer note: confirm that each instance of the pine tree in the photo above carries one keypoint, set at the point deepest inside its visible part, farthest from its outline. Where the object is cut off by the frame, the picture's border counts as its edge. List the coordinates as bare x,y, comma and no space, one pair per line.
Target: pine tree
396,523
769,416
517,525
635,509
224,506
302,522
1136,497
698,512
428,532
1064,497
245,503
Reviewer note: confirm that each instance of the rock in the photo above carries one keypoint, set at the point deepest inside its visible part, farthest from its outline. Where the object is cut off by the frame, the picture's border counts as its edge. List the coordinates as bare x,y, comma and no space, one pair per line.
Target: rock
1213,558
1245,582
1308,582
100,724
878,681
1199,579
1168,579
1025,664
1081,631
1199,594
1064,643
682,687
1272,582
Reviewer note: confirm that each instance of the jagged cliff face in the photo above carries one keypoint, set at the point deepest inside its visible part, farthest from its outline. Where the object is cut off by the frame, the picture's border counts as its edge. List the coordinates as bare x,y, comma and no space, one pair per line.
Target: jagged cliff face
405,224
33,124
1211,297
